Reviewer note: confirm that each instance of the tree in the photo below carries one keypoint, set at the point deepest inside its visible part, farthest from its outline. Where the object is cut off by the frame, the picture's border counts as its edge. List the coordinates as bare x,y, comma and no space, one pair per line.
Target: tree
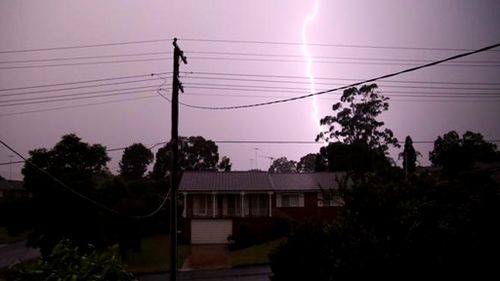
356,157
195,154
224,164
68,262
307,163
57,212
359,135
409,156
357,114
457,154
283,165
135,161
389,227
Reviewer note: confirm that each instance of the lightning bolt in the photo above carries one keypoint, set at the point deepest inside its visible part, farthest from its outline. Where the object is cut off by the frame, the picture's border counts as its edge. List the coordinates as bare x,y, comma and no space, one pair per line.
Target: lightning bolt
308,57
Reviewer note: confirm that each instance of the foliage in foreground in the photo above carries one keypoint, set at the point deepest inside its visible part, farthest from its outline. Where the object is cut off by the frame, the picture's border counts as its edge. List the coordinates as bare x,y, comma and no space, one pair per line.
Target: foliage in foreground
68,263
393,228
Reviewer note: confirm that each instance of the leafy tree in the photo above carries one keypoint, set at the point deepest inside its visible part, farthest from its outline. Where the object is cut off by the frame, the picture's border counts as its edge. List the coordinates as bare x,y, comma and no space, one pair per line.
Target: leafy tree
135,161
58,212
356,157
409,156
357,114
68,262
283,165
224,164
307,163
457,154
358,133
195,153
389,227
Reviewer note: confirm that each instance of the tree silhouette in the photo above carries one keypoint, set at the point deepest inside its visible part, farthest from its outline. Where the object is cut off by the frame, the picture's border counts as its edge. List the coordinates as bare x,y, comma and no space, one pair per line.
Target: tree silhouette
57,212
307,163
361,141
195,154
135,160
283,165
457,154
224,164
409,156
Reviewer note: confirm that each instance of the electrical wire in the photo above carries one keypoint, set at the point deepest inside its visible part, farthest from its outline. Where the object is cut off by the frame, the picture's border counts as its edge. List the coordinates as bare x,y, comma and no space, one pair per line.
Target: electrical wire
80,82
187,74
84,46
326,45
74,106
344,87
84,197
81,63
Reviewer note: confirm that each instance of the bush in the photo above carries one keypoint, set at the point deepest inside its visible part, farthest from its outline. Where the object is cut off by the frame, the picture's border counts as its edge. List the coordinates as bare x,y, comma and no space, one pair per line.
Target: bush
68,263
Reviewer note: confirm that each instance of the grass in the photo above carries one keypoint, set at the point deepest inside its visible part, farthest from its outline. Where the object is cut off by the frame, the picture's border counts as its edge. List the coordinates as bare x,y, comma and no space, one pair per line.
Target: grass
254,255
154,256
6,238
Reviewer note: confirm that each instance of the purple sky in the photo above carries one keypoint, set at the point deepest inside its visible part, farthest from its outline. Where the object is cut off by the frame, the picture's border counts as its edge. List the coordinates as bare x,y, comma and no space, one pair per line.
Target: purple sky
51,23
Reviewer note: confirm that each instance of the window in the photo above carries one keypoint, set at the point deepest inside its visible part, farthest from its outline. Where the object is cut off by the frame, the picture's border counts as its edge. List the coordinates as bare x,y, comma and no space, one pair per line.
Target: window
258,205
200,205
232,205
329,200
292,200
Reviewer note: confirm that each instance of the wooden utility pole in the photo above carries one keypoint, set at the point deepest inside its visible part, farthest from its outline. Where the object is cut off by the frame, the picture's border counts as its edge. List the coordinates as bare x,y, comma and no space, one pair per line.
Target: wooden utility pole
176,86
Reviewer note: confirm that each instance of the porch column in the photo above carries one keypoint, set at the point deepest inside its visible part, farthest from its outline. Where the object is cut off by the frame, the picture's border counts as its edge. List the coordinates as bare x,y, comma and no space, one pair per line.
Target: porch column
270,204
214,204
242,204
184,210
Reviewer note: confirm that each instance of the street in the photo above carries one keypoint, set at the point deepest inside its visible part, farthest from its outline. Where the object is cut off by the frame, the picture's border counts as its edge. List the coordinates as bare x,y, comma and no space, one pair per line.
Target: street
251,273
17,251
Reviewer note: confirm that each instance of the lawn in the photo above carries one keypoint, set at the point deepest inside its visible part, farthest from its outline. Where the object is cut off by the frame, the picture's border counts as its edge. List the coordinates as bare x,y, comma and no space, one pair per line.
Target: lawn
254,255
154,256
6,238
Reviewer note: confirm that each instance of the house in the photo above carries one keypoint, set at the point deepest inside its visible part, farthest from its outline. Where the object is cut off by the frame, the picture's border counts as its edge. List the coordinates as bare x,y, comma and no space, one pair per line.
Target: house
12,189
219,204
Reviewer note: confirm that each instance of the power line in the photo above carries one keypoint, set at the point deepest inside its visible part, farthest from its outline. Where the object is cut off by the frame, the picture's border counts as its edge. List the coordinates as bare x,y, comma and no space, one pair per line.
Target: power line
347,86
95,93
84,46
73,106
82,196
455,64
326,45
81,82
235,42
329,84
78,97
82,63
75,88
300,57
231,78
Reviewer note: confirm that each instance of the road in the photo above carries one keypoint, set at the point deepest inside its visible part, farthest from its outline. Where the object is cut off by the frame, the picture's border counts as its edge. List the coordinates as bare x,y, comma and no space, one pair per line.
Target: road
251,273
17,251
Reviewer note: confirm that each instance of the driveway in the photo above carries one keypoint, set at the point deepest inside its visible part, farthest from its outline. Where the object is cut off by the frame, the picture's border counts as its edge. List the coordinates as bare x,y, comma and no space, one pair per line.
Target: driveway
250,273
207,257
10,253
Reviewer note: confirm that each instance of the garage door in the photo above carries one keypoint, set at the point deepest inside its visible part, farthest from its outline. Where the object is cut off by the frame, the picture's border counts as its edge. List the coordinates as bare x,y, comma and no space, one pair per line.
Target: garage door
210,231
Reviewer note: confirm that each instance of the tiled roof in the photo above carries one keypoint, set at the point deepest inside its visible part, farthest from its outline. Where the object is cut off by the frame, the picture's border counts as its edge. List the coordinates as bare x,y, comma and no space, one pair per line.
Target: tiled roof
11,185
256,181
224,181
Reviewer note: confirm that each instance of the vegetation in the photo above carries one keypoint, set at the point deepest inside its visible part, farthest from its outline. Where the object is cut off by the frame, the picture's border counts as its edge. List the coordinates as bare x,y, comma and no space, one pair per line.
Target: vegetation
258,254
457,154
135,161
283,165
68,262
154,255
361,142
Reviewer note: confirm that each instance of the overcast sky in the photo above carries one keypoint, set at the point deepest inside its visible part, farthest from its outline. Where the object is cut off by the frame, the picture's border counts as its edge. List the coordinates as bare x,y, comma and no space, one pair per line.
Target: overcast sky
230,73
